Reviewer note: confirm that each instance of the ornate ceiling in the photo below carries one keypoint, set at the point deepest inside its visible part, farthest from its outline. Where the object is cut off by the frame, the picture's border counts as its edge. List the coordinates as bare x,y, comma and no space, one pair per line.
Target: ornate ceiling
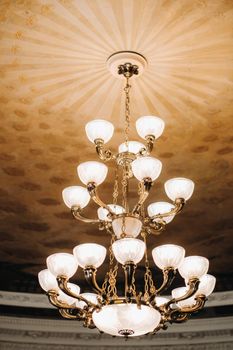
54,79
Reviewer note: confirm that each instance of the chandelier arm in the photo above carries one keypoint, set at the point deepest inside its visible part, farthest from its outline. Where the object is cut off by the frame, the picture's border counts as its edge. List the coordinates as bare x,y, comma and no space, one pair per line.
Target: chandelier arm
62,283
103,154
90,276
168,277
66,314
146,151
181,314
179,204
147,184
154,227
53,299
129,270
76,212
92,189
193,287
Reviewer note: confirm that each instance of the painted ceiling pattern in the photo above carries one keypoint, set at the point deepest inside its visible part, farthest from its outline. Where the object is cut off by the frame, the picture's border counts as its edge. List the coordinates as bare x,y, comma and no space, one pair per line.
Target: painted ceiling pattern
54,79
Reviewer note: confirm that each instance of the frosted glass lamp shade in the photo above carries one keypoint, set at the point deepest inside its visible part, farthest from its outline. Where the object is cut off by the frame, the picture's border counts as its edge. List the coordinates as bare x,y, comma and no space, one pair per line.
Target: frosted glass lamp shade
120,318
179,187
145,167
168,255
150,125
207,285
179,292
193,267
47,280
75,195
92,172
133,147
66,298
128,250
132,226
103,213
62,264
161,301
99,129
161,208
90,254
92,297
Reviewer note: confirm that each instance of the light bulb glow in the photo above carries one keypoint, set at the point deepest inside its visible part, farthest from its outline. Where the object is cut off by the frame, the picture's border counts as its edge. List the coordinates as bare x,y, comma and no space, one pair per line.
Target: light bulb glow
99,129
146,167
115,319
90,254
75,195
179,187
103,213
168,255
133,147
47,280
92,172
132,226
128,250
62,264
150,125
161,208
193,267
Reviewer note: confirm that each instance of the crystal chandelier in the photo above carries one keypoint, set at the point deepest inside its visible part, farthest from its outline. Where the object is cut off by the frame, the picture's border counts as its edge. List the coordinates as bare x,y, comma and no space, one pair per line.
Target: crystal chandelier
127,311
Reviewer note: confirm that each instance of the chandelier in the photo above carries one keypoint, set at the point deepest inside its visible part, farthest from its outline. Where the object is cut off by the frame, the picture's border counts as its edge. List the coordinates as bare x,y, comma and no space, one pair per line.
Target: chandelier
127,311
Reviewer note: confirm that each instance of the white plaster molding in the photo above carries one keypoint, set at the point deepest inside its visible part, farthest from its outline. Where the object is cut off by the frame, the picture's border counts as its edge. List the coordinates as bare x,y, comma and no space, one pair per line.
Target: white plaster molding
41,301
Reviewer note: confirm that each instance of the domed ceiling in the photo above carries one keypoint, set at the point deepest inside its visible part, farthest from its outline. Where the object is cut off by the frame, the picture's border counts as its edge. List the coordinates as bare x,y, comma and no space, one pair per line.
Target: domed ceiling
54,80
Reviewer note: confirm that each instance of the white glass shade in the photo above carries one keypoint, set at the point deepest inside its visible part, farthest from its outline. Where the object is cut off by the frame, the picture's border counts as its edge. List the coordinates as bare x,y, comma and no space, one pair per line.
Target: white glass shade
75,195
128,250
193,267
92,172
62,264
99,129
179,187
161,301
92,297
115,319
168,255
66,298
90,254
144,167
133,147
179,292
150,125
103,213
47,280
206,286
132,226
161,208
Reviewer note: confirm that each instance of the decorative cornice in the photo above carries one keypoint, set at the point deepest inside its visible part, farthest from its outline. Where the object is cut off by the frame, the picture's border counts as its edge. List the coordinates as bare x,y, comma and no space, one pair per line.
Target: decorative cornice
41,301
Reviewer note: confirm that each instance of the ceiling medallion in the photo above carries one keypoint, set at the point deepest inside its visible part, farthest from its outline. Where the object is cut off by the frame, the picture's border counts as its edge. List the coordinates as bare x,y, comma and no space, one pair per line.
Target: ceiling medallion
126,311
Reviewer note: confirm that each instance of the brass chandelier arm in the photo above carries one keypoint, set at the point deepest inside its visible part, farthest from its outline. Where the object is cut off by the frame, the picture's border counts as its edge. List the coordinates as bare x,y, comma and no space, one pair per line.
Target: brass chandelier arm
168,277
66,314
154,227
150,140
62,283
53,299
179,204
193,287
76,212
181,314
90,276
103,154
147,184
92,189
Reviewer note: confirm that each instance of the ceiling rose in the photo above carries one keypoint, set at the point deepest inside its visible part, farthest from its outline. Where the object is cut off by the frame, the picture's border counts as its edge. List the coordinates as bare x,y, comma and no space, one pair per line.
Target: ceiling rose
127,311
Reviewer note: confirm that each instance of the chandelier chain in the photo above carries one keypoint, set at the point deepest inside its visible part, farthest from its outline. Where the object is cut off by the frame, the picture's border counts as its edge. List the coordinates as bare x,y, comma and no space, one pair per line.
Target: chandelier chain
149,287
127,111
116,186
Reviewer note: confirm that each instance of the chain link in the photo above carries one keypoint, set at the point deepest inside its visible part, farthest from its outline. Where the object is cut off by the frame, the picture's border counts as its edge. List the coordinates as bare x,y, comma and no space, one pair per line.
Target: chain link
149,287
116,187
127,111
